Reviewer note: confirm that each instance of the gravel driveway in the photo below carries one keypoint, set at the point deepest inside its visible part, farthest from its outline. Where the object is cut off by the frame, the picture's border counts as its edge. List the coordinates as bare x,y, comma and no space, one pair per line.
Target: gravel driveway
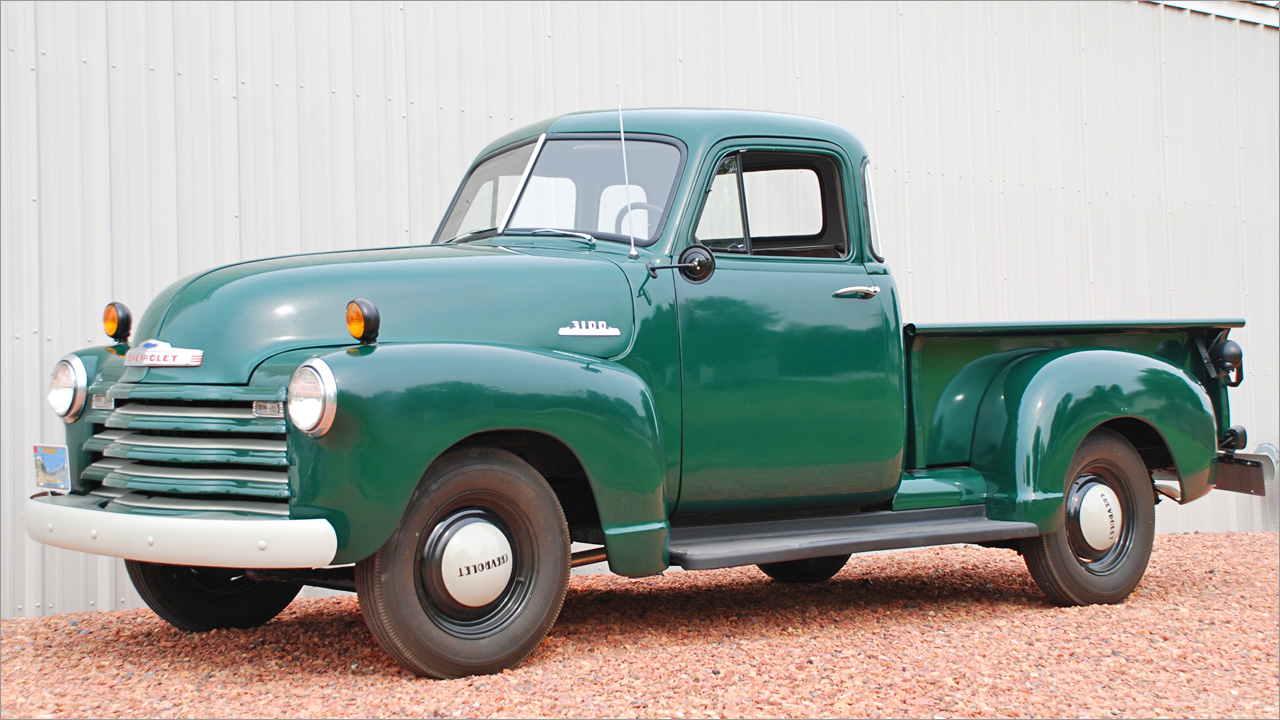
949,632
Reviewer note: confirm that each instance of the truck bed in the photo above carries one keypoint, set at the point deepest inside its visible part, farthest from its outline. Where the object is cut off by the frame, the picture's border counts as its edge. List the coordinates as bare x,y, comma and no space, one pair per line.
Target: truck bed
949,368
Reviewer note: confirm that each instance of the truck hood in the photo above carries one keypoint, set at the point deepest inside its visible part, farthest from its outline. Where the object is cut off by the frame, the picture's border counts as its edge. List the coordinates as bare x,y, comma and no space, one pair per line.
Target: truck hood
240,315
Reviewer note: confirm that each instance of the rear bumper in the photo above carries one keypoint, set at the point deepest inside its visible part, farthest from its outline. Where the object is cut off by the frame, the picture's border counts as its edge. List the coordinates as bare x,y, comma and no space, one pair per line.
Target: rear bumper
92,524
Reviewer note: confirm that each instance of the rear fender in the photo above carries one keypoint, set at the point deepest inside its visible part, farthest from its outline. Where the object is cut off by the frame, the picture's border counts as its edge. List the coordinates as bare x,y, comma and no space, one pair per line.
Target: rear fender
399,407
1040,407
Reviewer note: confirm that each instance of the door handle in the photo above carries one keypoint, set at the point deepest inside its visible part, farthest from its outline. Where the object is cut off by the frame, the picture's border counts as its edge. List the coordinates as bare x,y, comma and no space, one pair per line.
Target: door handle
857,291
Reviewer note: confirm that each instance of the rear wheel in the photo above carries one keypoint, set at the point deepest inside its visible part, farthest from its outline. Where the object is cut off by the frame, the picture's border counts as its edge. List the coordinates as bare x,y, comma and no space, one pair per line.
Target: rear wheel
1100,551
198,599
475,574
808,570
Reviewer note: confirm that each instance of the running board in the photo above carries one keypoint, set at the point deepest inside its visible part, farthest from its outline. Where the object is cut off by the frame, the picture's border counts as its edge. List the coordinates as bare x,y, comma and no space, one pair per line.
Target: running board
704,547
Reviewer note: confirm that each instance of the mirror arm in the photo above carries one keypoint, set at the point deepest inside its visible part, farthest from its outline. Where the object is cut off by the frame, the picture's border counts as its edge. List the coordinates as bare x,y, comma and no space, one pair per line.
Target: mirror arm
696,264
653,269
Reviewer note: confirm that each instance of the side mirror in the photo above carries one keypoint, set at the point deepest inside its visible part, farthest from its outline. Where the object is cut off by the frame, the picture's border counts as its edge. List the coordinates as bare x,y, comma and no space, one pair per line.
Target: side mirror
696,264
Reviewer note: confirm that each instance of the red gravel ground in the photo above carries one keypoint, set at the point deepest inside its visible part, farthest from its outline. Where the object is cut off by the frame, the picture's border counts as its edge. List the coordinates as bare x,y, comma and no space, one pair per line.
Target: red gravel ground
943,632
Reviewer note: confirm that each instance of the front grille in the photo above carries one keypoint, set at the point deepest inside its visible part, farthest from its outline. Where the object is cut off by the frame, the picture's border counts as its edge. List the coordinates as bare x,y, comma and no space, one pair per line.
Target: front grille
189,441
146,503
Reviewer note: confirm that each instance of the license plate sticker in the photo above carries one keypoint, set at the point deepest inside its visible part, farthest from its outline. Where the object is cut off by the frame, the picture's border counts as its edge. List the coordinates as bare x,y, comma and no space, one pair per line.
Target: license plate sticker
53,471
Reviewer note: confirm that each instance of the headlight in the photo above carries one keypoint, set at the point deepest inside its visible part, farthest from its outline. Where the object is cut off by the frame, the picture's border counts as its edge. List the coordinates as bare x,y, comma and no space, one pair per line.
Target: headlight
67,388
313,396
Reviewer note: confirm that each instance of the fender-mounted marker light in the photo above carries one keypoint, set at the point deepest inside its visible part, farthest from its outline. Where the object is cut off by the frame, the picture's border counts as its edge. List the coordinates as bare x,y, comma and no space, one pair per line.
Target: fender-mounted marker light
363,321
117,321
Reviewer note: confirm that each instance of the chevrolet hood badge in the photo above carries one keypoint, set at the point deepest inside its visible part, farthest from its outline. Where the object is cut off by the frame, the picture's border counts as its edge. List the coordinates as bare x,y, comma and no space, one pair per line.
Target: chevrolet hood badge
156,353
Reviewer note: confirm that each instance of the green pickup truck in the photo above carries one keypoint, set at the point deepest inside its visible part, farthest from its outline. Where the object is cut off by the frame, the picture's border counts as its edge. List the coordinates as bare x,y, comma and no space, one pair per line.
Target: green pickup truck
668,335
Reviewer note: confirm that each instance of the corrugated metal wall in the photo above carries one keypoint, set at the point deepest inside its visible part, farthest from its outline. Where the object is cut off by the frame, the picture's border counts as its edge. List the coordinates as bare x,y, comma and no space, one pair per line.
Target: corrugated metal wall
1056,160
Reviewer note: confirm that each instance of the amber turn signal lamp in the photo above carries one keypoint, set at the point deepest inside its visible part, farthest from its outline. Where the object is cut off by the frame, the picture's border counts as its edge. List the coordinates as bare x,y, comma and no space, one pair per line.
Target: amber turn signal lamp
363,320
117,322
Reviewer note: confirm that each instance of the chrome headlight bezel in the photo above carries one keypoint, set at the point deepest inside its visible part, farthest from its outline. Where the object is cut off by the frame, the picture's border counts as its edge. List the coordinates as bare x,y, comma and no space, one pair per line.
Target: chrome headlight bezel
312,382
79,387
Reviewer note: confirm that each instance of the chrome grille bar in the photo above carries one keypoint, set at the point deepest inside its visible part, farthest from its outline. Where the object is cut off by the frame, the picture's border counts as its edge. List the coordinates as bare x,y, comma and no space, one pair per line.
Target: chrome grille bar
137,469
155,502
230,443
188,448
198,411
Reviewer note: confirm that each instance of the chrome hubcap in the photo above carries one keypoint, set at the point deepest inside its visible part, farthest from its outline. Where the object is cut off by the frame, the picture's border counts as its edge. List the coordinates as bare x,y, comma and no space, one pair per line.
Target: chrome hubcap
1098,528
475,564
1099,516
467,565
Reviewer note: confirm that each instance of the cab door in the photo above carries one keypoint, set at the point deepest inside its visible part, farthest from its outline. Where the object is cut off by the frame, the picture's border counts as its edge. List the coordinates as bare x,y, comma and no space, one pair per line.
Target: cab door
791,354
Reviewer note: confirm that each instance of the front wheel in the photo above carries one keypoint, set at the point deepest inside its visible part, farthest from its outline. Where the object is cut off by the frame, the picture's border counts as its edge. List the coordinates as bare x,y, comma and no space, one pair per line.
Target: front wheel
199,599
476,572
1100,551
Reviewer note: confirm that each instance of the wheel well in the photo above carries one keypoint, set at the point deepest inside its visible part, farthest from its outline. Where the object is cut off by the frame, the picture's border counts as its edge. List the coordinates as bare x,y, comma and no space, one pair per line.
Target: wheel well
1146,440
561,469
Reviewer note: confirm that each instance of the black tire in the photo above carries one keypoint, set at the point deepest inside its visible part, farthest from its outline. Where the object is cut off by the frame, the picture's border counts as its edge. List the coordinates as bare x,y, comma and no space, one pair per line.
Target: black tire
403,587
1067,568
199,599
809,570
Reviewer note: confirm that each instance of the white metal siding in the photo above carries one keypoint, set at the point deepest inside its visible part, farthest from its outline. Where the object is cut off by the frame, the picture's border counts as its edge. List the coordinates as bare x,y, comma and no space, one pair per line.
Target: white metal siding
1035,161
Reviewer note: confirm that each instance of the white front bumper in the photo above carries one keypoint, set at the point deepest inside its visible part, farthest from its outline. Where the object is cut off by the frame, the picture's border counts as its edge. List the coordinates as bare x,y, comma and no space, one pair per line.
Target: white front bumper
214,539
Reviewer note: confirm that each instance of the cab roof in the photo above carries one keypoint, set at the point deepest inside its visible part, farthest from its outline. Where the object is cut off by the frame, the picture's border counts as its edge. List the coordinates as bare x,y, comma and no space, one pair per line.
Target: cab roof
697,129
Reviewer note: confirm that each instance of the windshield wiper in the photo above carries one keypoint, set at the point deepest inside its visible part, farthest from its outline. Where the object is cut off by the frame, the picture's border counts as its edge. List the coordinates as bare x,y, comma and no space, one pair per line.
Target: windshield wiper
591,240
473,235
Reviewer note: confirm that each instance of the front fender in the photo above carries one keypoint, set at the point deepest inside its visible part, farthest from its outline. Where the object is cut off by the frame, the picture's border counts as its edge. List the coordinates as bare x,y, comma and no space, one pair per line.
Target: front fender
1040,408
400,406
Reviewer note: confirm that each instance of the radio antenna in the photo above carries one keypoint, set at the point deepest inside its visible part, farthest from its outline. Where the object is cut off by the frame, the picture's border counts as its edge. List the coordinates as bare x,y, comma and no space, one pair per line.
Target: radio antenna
626,178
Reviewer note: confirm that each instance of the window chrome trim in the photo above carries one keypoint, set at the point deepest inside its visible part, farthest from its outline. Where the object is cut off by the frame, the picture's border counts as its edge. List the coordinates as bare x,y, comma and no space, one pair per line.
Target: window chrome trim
869,210
524,179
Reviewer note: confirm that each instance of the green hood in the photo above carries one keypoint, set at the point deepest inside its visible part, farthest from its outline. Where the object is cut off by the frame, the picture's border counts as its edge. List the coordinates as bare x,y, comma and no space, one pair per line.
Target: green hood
240,315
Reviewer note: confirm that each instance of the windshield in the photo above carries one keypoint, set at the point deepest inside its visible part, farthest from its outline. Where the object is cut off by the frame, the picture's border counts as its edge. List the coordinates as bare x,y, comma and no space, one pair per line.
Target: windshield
576,185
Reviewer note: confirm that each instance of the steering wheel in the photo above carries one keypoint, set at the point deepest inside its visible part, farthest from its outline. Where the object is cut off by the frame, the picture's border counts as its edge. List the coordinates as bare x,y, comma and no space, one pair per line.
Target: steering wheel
617,223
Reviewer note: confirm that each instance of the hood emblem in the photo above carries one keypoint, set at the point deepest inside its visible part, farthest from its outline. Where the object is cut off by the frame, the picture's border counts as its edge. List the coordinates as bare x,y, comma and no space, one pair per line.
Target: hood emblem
590,328
156,353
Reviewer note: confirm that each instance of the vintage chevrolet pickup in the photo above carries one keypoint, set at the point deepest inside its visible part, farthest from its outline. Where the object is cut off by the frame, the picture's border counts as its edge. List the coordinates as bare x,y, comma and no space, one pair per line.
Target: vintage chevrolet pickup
669,334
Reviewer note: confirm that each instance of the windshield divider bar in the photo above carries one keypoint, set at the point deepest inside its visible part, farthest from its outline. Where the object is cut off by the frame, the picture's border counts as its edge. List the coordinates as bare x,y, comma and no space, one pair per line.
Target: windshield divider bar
524,178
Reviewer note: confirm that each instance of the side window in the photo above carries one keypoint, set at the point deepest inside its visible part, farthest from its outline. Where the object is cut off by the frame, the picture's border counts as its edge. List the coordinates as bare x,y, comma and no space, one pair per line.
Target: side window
793,206
720,227
783,203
